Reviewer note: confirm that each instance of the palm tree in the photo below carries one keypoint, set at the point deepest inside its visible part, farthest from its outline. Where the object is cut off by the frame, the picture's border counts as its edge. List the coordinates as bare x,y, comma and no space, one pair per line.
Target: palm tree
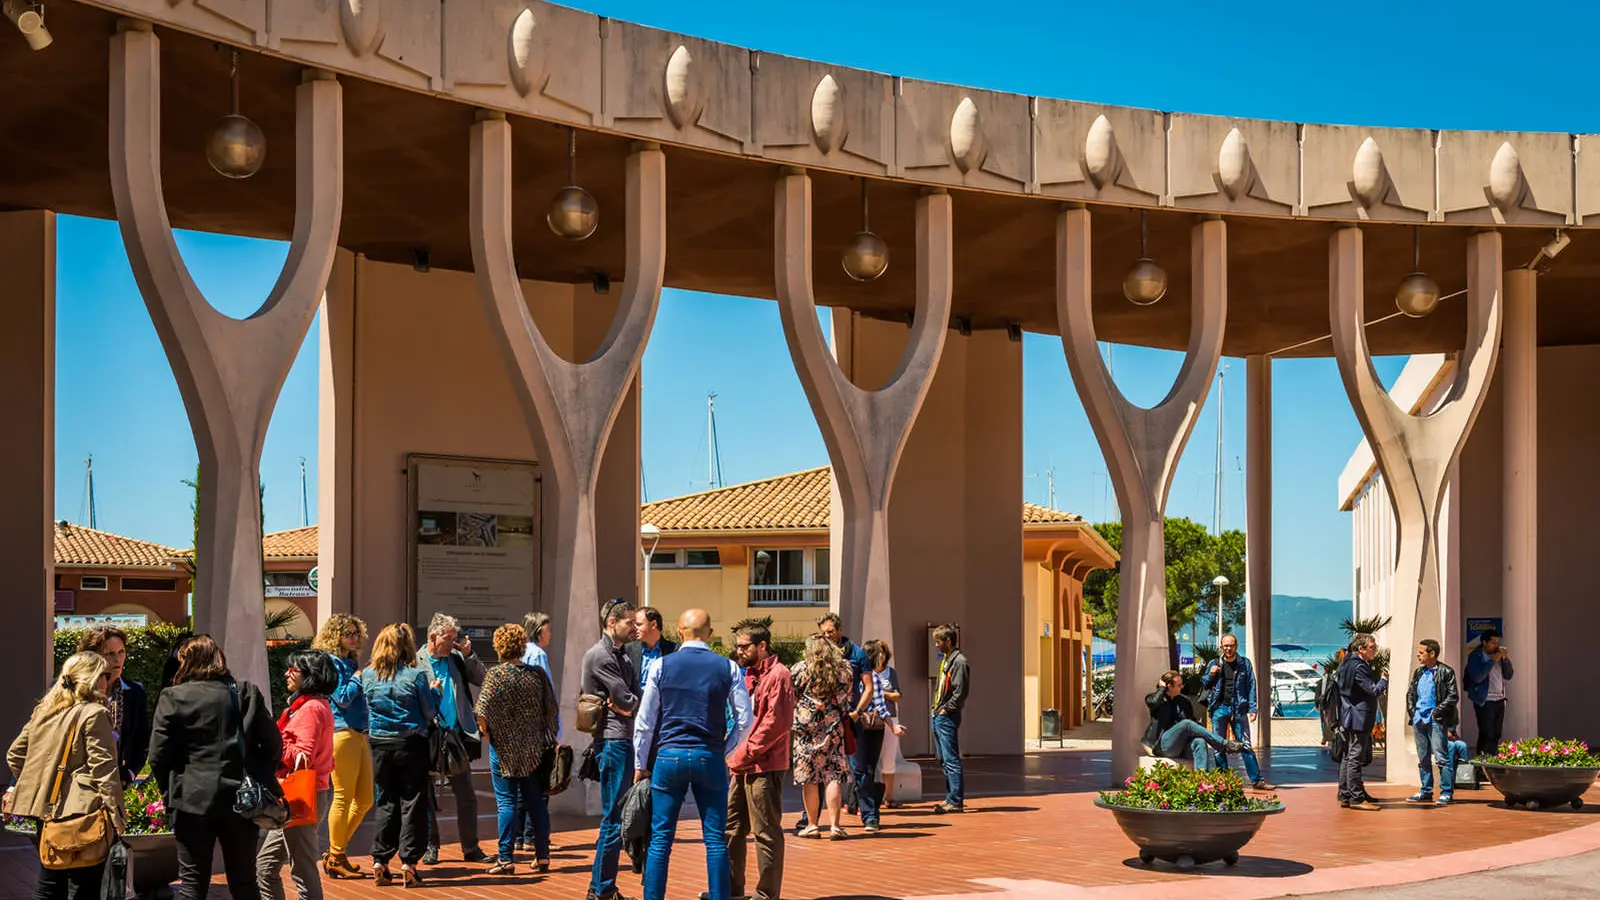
1370,625
282,619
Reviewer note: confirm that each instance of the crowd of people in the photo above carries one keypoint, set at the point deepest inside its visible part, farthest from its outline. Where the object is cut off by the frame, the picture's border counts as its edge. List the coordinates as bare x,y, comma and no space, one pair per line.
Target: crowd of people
1349,701
673,717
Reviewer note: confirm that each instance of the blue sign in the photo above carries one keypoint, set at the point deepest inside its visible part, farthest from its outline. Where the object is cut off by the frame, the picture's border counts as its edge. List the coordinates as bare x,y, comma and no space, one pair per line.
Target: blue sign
1477,625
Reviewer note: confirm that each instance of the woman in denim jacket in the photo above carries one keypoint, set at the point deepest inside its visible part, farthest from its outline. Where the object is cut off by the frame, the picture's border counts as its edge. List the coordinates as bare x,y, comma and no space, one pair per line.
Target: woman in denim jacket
401,706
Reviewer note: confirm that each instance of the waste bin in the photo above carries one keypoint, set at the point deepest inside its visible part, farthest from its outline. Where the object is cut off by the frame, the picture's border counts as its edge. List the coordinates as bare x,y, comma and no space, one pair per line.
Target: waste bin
1050,725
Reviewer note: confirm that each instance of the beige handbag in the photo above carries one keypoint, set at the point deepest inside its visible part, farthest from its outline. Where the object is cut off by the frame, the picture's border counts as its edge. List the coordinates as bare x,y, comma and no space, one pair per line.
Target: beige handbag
74,842
591,708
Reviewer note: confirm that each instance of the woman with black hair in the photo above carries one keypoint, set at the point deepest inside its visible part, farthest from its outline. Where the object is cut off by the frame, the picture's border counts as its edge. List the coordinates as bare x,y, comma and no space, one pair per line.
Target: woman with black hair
307,730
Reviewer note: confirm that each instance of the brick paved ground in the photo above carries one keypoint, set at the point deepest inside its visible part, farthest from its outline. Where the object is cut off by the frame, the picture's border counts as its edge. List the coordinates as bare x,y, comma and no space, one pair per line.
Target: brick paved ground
1032,831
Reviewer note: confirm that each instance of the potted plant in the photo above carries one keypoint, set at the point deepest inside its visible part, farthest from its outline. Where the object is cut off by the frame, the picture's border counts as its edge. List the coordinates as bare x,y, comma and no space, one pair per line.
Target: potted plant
152,851
1542,772
1187,817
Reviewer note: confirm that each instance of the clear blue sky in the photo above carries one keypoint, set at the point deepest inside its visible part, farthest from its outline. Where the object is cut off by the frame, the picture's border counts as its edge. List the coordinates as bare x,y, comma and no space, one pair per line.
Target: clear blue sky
1463,65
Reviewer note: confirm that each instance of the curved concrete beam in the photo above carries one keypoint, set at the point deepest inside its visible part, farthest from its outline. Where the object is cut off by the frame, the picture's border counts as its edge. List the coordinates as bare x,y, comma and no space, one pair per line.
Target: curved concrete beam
865,430
569,408
1141,448
229,371
1416,454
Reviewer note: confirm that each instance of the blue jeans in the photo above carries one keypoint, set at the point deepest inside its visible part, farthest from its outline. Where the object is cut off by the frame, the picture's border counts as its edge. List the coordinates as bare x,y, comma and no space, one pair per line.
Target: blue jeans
616,773
532,822
677,771
1459,753
946,740
1191,738
509,794
869,746
1433,746
1221,718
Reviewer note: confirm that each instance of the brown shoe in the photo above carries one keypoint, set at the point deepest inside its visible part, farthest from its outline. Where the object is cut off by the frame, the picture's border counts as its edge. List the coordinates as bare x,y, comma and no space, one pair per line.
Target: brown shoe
1365,806
337,865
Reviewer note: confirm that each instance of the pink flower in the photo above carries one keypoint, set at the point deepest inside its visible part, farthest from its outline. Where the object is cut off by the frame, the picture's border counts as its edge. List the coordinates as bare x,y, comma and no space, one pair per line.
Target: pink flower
1129,782
1151,785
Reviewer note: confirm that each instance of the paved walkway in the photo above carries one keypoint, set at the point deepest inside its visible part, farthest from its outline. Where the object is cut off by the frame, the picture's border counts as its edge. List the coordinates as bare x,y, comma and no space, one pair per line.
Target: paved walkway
1032,833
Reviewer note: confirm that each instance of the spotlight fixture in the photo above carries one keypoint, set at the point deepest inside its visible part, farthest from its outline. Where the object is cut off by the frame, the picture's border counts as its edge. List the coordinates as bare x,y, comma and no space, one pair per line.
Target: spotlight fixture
867,257
964,326
1551,250
1014,332
574,214
1146,282
421,261
601,282
29,19
237,147
1417,294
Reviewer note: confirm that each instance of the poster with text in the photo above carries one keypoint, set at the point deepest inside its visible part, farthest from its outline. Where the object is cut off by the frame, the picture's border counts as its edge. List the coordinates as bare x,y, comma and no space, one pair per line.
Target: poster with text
1477,625
474,539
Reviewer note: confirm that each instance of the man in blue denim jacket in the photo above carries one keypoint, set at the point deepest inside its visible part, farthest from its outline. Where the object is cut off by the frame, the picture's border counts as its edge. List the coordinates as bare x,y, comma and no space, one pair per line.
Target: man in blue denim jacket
1230,690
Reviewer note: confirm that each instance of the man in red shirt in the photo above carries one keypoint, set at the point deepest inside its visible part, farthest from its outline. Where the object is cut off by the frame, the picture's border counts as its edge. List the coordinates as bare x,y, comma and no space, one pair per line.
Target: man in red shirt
758,766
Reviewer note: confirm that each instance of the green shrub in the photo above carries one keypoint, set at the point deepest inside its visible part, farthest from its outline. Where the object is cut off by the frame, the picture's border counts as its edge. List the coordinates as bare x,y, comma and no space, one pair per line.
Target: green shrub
150,646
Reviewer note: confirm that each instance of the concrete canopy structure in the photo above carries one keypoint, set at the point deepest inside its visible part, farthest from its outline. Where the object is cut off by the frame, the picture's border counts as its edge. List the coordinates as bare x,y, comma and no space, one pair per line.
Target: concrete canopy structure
429,141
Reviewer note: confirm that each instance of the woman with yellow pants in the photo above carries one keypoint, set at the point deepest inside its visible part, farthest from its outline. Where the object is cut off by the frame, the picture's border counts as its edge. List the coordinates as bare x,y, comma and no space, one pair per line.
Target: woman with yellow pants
342,637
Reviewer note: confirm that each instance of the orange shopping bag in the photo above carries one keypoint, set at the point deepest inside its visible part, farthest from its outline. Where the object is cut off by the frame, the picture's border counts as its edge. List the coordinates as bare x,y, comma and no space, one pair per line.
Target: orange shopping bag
300,795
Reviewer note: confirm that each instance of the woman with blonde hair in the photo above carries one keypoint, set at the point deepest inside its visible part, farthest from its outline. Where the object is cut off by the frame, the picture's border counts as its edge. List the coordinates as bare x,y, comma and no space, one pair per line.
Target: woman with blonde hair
822,696
342,637
69,729
401,706
516,714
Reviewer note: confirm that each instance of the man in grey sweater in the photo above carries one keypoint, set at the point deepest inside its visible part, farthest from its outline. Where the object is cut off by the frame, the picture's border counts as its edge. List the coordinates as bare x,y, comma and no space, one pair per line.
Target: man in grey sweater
609,673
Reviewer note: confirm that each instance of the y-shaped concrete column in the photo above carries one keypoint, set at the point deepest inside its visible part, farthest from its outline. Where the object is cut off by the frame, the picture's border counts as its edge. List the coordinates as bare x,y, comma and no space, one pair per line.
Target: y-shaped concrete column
1141,448
569,407
1415,453
865,430
229,371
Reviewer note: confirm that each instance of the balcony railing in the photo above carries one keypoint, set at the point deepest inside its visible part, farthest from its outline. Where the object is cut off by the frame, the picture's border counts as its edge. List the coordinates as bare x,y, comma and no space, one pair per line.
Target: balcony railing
788,595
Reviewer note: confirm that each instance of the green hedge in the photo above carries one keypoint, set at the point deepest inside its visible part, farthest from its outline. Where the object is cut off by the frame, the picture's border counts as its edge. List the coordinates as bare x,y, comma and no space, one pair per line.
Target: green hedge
149,647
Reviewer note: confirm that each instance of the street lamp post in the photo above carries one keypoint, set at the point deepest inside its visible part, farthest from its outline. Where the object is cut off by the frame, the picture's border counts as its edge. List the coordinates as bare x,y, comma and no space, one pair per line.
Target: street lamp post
1219,582
651,533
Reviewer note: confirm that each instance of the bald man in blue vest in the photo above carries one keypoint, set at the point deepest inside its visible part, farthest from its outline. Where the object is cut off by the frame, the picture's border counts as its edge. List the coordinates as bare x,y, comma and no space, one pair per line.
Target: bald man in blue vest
683,721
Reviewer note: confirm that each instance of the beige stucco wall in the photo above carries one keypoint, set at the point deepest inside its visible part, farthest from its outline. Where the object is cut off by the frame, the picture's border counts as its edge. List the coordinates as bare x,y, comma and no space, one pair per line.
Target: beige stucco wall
27,493
962,469
1569,493
411,368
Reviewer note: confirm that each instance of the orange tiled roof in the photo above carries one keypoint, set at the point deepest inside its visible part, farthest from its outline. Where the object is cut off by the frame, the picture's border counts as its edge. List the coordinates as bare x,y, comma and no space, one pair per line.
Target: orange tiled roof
291,544
79,545
798,501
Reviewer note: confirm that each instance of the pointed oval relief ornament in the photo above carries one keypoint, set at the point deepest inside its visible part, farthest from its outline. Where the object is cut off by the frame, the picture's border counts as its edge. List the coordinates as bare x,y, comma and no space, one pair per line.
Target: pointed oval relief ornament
681,87
1506,183
1234,171
827,116
1100,155
362,24
966,136
1369,180
522,52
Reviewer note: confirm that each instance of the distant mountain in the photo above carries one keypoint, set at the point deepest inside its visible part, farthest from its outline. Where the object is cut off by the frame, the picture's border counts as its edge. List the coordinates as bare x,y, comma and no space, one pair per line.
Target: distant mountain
1309,620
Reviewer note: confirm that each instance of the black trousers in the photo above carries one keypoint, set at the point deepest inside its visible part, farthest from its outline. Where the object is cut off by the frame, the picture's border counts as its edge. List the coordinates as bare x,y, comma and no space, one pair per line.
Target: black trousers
1491,722
400,776
68,884
197,837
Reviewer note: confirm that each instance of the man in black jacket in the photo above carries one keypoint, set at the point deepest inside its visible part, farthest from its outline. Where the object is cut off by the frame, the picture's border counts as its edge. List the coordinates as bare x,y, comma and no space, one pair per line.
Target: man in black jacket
1174,733
1358,713
949,699
130,708
650,645
1433,707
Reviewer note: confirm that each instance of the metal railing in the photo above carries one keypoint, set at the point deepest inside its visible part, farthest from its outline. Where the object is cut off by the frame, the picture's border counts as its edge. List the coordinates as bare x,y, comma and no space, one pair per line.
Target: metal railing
788,595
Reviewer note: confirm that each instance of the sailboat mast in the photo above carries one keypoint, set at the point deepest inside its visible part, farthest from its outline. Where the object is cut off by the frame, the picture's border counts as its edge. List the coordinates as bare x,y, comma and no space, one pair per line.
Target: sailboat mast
88,473
713,454
305,502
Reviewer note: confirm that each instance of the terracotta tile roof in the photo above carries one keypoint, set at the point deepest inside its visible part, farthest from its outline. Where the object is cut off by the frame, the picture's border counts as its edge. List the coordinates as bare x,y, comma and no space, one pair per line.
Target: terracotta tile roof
292,544
798,501
79,545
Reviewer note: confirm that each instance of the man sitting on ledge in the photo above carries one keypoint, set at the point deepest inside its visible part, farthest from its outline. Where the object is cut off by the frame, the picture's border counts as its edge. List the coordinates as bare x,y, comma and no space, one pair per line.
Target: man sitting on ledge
1173,732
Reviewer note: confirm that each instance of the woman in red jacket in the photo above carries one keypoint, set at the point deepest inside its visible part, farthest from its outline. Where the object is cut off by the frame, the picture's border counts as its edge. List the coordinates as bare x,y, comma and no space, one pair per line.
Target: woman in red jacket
307,730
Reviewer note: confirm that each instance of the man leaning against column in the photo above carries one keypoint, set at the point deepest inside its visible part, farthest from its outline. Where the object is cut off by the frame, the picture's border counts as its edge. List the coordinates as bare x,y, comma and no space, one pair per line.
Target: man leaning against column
1488,670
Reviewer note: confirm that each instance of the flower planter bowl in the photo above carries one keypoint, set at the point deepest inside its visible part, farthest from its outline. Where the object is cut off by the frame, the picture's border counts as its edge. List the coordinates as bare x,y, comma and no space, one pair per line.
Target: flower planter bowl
1541,787
1188,839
